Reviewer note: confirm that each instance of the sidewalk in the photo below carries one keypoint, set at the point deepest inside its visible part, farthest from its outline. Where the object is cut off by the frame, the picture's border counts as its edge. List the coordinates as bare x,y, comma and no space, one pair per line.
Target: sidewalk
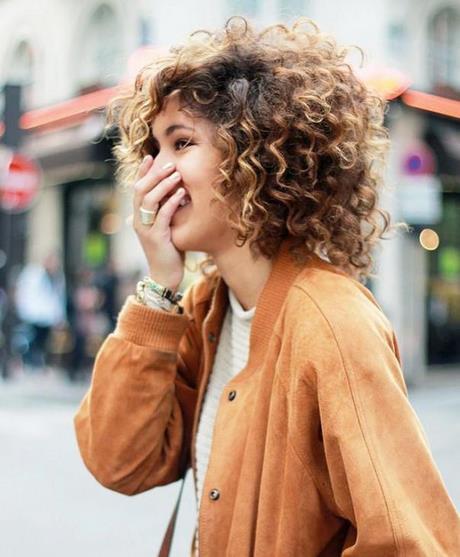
50,385
439,376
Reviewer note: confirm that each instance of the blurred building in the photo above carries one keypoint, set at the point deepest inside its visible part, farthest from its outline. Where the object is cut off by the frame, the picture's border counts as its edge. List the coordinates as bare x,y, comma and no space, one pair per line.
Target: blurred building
69,56
423,41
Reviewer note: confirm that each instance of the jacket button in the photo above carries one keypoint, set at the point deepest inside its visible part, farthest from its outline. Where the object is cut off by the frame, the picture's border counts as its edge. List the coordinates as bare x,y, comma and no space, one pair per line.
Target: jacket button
214,494
231,395
212,337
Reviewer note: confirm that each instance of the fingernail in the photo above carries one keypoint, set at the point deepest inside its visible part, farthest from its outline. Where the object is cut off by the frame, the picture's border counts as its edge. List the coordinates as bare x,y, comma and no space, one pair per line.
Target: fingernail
168,165
175,175
146,158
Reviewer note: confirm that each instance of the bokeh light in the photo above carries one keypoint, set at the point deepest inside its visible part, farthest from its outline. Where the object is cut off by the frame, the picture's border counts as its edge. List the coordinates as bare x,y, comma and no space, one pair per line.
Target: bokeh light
429,239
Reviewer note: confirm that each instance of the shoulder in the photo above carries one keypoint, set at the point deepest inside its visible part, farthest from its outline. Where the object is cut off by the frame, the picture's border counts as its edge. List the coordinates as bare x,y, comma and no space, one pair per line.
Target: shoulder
31,275
31,269
338,339
330,315
340,299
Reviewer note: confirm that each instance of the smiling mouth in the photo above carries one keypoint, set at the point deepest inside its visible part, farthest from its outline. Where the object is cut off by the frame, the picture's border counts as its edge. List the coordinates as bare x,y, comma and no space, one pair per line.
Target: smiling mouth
186,200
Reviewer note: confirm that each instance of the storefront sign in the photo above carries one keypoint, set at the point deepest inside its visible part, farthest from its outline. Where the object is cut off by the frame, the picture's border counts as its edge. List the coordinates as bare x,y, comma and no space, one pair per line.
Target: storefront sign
420,199
20,179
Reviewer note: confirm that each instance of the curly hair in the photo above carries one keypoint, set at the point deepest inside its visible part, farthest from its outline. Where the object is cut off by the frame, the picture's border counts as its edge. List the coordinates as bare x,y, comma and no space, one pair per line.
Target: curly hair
303,140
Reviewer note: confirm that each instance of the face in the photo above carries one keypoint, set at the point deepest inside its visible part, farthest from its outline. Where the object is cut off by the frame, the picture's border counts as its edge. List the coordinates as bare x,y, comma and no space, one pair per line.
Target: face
188,145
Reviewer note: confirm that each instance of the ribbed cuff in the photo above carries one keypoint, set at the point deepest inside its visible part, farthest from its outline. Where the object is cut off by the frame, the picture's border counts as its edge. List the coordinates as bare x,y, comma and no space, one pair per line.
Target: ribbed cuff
148,326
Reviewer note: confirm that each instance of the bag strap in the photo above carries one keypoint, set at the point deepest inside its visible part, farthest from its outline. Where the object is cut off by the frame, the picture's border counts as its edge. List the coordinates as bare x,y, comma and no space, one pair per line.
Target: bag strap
168,537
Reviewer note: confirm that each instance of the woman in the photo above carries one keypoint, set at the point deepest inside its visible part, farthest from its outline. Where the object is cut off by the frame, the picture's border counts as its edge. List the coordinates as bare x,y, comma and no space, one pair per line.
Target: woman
263,150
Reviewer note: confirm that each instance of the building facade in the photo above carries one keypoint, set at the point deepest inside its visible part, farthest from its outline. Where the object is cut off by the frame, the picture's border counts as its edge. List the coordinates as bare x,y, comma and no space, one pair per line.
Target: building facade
68,56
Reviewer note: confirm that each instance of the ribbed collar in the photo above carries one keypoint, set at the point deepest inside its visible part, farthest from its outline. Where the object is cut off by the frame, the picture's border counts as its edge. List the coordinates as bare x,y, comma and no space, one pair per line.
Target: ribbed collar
283,273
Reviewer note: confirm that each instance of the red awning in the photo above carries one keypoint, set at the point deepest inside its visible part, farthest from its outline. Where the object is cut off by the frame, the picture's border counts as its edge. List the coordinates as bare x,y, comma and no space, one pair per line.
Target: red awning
67,113
390,83
431,103
73,111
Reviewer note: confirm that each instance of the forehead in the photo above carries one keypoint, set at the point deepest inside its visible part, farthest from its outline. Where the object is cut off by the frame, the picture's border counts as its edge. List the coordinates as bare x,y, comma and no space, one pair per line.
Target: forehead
173,112
172,108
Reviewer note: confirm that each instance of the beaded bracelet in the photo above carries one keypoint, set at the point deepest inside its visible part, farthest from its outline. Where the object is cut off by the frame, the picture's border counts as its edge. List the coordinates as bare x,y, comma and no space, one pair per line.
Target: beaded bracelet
147,295
162,291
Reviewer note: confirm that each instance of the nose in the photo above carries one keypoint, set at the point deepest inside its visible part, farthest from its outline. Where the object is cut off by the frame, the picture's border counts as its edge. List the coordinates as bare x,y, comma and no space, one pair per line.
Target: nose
162,159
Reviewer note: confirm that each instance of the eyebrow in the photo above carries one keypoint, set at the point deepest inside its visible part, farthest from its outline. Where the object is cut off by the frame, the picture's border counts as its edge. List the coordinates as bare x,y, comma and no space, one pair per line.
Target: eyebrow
171,129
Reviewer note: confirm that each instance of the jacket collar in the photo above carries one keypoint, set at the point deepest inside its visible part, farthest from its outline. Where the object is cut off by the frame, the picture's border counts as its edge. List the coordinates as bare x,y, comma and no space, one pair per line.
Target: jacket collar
283,273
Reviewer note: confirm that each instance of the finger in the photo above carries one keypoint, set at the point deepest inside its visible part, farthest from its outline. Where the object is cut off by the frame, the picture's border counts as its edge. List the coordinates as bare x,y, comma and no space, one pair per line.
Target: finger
156,197
165,214
144,167
149,181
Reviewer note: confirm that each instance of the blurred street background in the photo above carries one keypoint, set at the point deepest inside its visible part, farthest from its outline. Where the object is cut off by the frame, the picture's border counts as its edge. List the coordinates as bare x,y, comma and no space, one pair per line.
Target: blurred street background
68,259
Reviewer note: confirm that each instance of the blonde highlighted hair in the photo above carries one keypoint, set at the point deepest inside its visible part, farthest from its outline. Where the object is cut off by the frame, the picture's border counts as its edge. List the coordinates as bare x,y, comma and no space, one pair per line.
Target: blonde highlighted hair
303,140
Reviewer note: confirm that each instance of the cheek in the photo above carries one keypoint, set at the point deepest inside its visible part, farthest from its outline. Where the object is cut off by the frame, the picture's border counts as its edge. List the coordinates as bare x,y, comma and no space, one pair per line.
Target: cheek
202,188
199,168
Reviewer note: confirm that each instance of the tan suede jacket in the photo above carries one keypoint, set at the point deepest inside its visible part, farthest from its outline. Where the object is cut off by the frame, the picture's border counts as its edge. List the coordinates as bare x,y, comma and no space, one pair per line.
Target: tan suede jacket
316,449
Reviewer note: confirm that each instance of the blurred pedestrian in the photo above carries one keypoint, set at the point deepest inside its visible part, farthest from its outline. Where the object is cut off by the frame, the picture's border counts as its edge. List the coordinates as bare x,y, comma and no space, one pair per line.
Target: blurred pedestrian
89,323
277,377
107,281
40,298
3,342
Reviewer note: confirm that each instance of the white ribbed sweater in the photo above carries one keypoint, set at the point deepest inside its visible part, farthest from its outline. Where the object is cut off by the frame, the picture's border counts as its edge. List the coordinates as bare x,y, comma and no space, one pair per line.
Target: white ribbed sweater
231,357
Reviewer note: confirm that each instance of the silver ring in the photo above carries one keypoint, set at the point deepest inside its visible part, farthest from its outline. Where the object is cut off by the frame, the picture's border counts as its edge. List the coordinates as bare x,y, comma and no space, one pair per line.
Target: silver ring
147,217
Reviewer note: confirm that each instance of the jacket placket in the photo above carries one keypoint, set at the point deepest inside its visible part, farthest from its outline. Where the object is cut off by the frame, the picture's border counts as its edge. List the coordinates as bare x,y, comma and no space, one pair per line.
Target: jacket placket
211,330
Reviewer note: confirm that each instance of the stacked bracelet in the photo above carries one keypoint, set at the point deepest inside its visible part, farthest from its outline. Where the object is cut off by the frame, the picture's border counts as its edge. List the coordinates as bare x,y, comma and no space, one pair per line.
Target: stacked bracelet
148,291
162,291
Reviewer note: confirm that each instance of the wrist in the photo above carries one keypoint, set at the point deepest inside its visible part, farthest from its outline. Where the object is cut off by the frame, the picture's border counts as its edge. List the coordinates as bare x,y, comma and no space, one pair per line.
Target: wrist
163,291
152,294
166,282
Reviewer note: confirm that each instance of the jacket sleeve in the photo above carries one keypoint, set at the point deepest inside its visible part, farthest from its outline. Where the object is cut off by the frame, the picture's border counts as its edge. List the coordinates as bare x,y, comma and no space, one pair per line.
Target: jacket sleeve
134,425
383,478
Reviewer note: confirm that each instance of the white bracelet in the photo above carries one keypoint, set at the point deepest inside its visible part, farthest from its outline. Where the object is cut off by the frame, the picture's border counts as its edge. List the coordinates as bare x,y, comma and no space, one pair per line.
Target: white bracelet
150,298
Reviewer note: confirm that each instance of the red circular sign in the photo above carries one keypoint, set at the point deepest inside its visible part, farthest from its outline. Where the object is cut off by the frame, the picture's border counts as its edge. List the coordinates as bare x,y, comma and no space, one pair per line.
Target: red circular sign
20,181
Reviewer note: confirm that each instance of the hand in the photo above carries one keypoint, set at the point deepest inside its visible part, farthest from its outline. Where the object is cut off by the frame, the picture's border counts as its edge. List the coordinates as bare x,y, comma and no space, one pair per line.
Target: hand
151,190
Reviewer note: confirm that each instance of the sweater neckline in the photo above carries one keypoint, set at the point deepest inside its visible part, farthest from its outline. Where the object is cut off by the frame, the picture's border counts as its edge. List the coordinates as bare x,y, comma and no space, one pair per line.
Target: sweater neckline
238,310
283,273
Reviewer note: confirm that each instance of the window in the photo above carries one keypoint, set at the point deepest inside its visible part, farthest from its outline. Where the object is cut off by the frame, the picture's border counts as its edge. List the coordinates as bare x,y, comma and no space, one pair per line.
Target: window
99,51
244,7
21,72
21,65
397,40
444,48
292,9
